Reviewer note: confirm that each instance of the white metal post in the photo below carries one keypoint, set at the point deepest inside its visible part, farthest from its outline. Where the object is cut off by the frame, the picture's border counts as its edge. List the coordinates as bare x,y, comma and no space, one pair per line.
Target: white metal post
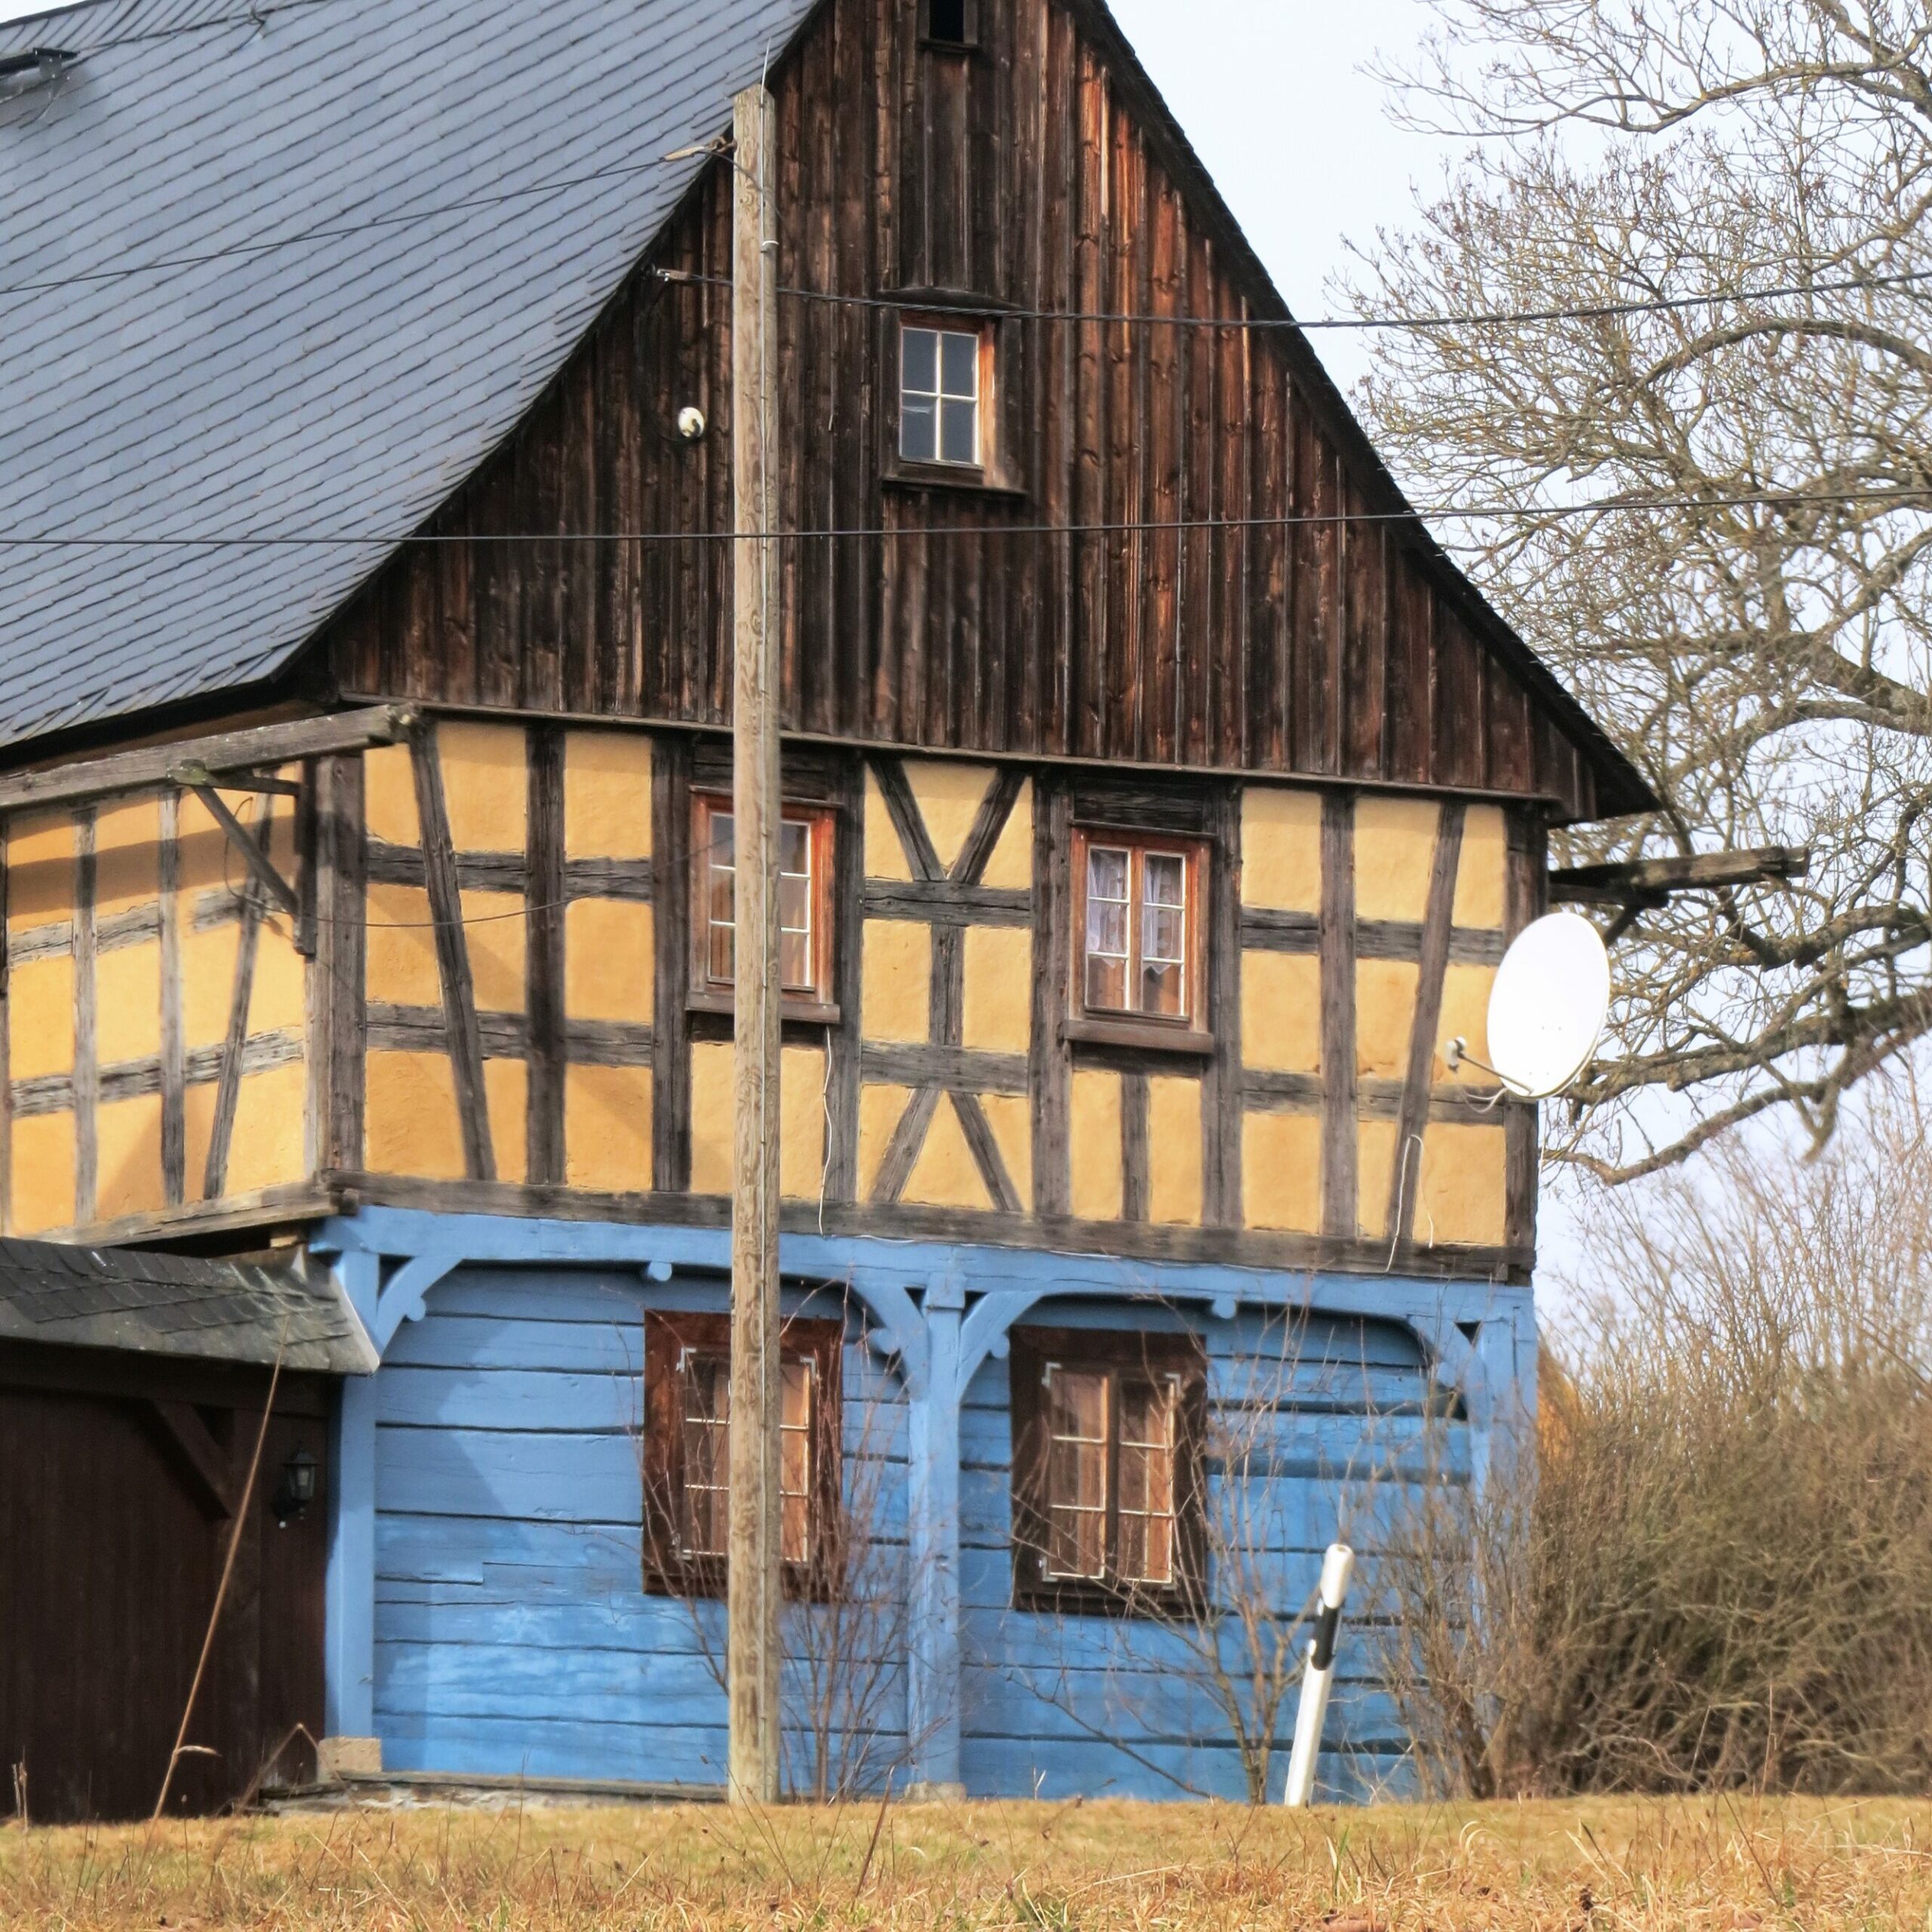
1337,1568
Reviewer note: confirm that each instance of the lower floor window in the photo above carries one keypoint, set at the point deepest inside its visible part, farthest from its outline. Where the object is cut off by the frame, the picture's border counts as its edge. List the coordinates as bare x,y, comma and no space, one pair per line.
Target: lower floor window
686,1449
1107,1482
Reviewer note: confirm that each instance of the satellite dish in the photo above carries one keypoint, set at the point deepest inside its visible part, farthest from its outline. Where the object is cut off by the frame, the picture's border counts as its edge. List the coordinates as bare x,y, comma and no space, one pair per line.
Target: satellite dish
1547,1009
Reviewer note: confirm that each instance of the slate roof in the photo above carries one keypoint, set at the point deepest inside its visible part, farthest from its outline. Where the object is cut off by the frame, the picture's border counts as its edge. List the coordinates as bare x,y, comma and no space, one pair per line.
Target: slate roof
172,1305
346,383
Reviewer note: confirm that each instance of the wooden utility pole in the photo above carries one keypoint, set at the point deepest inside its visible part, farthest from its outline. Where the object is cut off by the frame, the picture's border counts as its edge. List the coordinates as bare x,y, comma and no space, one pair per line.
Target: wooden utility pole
756,1575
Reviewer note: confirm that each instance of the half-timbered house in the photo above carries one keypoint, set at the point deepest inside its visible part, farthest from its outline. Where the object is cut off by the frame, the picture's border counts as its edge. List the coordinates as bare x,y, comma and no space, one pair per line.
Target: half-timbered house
1159,800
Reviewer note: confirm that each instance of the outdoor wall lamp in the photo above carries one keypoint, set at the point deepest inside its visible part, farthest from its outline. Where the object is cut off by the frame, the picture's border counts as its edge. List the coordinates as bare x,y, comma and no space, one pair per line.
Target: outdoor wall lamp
296,1488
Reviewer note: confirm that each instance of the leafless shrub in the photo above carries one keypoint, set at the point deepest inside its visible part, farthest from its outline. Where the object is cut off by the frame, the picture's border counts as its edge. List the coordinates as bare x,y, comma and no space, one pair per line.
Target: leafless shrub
1719,1574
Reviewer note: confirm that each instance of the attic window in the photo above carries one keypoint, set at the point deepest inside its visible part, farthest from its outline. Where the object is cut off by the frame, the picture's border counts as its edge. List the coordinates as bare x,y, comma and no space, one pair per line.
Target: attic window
952,23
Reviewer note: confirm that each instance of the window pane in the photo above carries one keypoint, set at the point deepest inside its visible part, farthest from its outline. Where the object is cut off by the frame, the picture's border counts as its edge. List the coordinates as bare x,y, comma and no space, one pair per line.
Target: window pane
961,427
794,847
961,365
1106,928
720,836
1163,991
919,431
1166,878
707,1386
1106,983
1076,1473
795,1461
920,368
720,910
1106,873
1147,1435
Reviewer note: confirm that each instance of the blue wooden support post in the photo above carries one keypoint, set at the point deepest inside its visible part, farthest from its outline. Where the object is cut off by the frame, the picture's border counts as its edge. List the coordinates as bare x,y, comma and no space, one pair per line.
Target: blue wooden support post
349,1607
933,1717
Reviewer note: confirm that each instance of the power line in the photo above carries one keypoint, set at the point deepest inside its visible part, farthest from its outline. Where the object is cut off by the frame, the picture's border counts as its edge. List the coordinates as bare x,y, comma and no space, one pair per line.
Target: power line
330,229
1795,498
1466,318
257,16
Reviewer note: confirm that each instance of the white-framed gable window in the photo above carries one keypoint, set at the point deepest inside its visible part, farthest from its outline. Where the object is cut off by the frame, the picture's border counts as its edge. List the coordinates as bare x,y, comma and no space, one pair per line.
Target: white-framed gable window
942,392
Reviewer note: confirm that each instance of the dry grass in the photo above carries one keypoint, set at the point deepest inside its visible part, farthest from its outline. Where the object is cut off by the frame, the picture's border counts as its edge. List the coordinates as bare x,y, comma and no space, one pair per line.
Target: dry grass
1586,1865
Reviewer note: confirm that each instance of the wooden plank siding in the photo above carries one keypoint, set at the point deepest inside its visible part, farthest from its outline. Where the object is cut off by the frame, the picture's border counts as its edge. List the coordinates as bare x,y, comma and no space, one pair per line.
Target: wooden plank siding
1190,620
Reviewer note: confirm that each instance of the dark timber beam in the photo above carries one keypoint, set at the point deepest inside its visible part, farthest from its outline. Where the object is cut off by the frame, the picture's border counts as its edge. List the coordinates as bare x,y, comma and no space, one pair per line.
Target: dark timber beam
1658,878
226,752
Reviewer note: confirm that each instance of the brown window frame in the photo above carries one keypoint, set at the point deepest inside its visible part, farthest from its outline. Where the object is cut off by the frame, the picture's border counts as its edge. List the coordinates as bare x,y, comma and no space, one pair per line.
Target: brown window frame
671,1340
813,1004
1122,1356
1186,1032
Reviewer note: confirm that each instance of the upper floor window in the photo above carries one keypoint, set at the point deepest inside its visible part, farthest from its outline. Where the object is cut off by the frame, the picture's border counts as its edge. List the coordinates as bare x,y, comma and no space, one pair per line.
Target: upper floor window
1106,1493
942,389
805,903
952,24
686,1449
1139,929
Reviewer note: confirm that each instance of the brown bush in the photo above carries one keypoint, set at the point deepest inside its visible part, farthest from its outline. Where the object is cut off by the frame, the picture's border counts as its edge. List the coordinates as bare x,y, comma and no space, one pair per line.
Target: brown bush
1717,1570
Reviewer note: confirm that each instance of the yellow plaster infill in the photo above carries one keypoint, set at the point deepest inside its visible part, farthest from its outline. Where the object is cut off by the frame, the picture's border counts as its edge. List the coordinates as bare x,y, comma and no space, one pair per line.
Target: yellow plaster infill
40,1018
1482,876
41,1194
401,967
1281,849
950,797
268,1149
40,871
880,1108
609,960
1280,1013
885,855
711,1117
1098,1163
1010,1117
495,929
945,1174
1466,991
279,999
128,1179
607,1128
1174,1152
389,796
801,1123
207,982
1385,1016
1375,1163
506,1091
606,795
412,1127
126,843
1394,855
486,785
1281,1179
198,1115
203,859
801,1119
997,1008
1464,1191
896,981
1011,868
127,1004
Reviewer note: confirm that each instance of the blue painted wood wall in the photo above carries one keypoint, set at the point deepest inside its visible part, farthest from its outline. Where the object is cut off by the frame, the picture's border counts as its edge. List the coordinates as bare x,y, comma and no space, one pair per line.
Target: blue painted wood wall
513,1634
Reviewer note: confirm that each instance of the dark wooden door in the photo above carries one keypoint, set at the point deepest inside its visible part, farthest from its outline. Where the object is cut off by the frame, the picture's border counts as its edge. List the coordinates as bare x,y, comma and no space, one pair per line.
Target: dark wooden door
110,1557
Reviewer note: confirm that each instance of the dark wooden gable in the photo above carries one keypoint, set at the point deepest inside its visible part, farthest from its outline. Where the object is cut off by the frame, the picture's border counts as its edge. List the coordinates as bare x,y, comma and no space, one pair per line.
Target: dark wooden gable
1033,171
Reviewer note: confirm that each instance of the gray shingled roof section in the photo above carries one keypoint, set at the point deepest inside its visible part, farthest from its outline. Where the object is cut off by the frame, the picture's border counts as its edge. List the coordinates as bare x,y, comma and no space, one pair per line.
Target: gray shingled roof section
346,384
174,1305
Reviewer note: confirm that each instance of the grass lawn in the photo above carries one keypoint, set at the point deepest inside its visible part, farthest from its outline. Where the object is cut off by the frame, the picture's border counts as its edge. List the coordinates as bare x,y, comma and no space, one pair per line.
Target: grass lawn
1589,1866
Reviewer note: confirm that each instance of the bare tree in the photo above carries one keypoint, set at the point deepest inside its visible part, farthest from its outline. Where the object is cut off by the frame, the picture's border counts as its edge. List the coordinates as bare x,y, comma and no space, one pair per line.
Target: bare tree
1749,607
